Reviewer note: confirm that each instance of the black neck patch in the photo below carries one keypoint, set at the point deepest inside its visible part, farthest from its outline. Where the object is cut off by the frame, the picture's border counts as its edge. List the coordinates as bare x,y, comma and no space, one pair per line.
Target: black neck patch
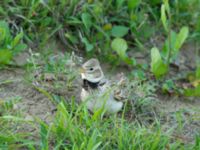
87,84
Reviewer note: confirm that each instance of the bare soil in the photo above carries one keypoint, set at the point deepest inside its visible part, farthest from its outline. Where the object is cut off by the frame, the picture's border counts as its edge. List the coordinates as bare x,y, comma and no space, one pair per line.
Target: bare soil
33,103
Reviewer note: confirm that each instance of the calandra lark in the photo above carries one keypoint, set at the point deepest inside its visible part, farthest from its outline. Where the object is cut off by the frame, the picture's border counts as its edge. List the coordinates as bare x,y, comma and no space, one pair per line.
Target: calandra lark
97,92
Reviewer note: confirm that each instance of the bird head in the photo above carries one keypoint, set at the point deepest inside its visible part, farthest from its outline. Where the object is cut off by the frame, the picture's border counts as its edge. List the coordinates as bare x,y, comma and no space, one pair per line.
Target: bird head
91,71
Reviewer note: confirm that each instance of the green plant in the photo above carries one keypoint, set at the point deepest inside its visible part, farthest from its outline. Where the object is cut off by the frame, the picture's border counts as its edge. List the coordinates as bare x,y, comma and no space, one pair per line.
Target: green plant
160,60
120,46
79,130
7,105
88,25
9,121
9,46
158,66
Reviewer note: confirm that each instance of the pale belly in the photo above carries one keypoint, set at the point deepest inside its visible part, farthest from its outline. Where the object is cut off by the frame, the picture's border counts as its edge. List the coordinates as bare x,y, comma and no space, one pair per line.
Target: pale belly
97,101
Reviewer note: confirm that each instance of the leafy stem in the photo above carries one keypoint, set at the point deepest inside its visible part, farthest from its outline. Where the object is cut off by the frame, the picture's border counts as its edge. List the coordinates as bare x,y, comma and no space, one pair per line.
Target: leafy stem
167,24
169,38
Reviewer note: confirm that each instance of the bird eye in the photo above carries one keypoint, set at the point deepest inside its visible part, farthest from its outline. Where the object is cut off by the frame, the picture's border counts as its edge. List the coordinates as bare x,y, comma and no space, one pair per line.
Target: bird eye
91,69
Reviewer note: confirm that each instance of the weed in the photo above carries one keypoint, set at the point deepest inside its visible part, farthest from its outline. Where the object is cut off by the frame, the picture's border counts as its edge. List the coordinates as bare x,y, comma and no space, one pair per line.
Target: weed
171,47
9,47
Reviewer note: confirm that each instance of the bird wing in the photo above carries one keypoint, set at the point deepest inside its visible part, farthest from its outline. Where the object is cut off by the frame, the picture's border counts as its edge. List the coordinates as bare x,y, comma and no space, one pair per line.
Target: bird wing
119,95
120,90
116,90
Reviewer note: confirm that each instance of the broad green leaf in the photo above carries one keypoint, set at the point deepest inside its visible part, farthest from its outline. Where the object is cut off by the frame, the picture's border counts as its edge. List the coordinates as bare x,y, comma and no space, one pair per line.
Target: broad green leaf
181,37
5,56
163,17
120,46
88,46
87,20
176,42
167,8
17,39
165,49
158,67
119,31
133,4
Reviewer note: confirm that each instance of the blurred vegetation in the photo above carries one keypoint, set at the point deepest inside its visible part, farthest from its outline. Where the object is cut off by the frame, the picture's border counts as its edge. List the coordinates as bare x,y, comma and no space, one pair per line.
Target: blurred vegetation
92,25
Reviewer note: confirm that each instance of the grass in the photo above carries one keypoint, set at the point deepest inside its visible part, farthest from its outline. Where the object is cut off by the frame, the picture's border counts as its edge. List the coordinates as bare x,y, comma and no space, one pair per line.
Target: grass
113,31
74,128
82,131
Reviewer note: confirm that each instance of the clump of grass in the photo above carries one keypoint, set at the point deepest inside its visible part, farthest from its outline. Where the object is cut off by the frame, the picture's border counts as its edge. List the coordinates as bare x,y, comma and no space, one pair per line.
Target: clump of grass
9,46
7,105
56,74
80,130
10,123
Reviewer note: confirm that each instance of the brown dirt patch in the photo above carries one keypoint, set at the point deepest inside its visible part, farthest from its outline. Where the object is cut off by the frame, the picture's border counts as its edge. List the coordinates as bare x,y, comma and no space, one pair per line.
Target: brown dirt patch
32,104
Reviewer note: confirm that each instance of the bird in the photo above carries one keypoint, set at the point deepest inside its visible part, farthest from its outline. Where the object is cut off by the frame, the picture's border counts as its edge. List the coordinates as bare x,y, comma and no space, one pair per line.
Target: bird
97,91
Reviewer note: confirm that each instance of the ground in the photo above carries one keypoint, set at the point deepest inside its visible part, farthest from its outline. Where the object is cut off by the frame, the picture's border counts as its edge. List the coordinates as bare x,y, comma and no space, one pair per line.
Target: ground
177,112
153,43
32,103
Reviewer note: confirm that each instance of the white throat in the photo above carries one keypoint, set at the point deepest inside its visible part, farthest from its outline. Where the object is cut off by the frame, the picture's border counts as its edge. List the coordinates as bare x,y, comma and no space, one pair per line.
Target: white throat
93,80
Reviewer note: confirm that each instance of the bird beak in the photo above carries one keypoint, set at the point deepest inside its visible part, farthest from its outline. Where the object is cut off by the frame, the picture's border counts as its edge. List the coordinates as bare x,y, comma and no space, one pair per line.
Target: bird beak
82,70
